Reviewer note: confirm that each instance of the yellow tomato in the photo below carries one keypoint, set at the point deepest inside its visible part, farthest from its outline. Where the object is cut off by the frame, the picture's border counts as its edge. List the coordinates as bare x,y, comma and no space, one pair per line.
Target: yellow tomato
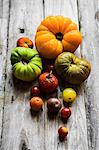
69,95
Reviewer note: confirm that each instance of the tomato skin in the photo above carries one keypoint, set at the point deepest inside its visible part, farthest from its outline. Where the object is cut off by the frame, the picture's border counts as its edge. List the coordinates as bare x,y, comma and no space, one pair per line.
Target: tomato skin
50,67
35,91
65,113
63,132
36,103
48,82
69,95
54,105
24,42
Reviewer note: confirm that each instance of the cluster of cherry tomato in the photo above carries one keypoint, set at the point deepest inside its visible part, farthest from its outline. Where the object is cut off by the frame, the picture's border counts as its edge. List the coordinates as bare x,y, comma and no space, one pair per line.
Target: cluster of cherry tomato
48,83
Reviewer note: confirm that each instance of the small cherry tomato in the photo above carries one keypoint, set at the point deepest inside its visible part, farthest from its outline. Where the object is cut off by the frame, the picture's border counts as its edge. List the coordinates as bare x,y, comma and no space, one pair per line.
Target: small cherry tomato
35,91
54,105
50,67
63,132
69,95
25,42
36,103
65,113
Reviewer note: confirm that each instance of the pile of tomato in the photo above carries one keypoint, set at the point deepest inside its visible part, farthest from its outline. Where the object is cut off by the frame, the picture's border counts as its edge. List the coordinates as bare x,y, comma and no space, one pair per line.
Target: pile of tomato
48,83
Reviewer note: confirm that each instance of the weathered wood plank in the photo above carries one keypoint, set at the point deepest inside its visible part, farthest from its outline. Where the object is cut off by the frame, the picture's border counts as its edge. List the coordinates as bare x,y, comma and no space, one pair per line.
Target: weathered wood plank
20,129
4,12
89,20
77,138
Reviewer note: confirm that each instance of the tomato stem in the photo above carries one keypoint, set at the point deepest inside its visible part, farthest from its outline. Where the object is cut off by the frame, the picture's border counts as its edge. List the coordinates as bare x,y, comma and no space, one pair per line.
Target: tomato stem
49,75
59,36
24,61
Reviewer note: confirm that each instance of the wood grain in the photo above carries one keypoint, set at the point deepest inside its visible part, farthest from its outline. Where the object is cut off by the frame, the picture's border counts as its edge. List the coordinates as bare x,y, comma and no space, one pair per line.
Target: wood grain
89,18
20,129
77,138
4,15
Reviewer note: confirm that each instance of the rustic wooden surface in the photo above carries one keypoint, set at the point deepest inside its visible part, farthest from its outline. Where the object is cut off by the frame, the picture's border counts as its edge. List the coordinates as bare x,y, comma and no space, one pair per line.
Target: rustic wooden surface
18,129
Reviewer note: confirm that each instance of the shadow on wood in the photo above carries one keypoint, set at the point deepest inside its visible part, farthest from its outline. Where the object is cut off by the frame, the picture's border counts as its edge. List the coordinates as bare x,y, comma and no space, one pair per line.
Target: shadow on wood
21,85
35,113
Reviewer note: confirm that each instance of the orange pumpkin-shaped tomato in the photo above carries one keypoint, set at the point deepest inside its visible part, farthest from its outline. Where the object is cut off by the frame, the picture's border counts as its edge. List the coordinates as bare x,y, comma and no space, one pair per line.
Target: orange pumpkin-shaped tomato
56,34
